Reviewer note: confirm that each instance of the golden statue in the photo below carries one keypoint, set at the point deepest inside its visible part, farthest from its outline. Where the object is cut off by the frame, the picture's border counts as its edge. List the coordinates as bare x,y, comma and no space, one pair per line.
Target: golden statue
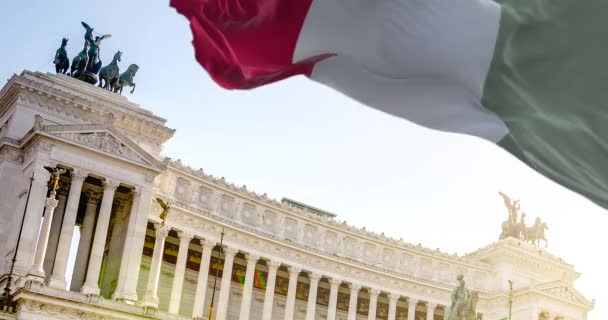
165,206
54,183
512,206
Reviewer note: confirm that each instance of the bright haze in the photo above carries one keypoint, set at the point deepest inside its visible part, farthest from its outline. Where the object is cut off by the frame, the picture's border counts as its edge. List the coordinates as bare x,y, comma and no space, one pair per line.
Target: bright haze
306,142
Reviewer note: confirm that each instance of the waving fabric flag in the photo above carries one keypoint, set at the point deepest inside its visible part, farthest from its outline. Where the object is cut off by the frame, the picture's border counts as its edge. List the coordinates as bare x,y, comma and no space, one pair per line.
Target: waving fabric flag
529,75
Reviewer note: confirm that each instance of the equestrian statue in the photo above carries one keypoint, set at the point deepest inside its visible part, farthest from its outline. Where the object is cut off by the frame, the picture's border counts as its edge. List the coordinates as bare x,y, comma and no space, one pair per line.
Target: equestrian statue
518,229
87,64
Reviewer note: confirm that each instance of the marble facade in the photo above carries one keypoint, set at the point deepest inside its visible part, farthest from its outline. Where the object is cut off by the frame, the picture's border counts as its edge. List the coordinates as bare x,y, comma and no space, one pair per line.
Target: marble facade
279,261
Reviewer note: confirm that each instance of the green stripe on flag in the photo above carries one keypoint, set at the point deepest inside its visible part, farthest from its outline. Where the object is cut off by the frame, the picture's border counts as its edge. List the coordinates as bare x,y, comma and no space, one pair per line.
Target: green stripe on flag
549,83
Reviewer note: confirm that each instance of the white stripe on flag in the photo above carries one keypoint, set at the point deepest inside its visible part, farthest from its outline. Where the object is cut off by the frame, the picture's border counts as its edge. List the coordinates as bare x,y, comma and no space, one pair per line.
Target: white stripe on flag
423,60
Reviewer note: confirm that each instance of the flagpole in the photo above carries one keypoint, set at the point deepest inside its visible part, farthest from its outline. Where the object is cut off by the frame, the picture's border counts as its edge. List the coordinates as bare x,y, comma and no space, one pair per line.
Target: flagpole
6,301
510,297
217,270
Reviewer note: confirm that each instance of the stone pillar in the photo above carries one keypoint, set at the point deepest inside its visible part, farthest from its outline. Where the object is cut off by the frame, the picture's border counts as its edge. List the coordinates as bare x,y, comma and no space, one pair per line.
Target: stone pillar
86,237
180,270
290,302
51,251
312,295
33,218
411,308
269,294
252,260
352,302
91,284
203,277
373,303
130,265
43,239
58,279
430,310
392,306
333,298
151,296
222,304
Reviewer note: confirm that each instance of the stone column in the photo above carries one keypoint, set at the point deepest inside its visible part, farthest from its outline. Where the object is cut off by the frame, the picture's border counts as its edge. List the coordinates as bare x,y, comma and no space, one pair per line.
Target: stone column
290,302
411,308
43,238
269,294
430,310
203,277
252,260
91,284
130,265
352,302
392,305
58,280
151,296
373,303
222,304
312,295
333,298
33,218
86,236
180,270
49,258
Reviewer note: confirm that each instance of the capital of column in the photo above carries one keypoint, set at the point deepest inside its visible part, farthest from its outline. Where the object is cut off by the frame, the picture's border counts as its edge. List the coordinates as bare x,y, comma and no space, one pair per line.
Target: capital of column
272,264
228,251
185,236
334,282
78,175
314,277
252,258
412,301
206,242
51,203
431,305
109,184
161,231
393,297
294,269
93,197
355,287
41,175
373,292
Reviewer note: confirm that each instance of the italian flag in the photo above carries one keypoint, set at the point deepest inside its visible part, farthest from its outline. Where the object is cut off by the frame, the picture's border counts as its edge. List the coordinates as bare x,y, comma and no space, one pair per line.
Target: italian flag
529,75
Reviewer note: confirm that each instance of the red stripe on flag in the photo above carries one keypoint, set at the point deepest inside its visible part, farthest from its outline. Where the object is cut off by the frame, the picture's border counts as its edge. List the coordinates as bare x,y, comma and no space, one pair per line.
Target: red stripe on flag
247,43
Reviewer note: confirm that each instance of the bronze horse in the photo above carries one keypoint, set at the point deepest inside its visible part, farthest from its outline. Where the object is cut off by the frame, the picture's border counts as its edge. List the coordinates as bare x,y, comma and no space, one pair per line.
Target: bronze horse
80,61
126,79
62,62
110,73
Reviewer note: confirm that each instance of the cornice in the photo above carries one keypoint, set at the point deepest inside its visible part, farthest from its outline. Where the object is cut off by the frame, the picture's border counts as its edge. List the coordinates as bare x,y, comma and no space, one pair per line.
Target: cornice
77,97
342,227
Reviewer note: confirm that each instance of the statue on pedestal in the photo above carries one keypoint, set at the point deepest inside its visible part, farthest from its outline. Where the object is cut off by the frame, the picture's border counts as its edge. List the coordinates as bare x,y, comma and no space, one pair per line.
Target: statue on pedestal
512,228
93,62
464,303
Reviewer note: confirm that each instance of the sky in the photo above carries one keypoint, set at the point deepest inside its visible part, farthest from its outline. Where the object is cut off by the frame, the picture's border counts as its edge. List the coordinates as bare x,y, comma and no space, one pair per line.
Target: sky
301,140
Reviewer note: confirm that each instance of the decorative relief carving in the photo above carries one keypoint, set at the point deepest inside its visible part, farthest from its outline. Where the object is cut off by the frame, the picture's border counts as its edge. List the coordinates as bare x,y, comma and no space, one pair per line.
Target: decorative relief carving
103,141
290,229
227,206
311,235
59,312
182,189
249,215
269,223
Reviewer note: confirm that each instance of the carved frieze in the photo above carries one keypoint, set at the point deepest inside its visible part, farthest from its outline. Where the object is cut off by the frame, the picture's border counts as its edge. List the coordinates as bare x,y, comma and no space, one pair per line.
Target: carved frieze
103,141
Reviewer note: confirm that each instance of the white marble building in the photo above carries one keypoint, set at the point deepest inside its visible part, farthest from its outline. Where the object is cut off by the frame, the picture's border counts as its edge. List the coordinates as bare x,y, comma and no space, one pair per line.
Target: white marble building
286,260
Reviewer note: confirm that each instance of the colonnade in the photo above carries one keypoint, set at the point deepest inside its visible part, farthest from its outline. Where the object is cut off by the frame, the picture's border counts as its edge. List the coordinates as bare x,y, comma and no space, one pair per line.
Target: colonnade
93,241
222,303
33,259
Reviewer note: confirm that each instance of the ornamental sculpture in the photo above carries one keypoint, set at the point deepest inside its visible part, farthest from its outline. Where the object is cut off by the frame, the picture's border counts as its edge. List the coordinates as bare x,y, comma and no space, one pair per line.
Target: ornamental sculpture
515,228
464,303
87,64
